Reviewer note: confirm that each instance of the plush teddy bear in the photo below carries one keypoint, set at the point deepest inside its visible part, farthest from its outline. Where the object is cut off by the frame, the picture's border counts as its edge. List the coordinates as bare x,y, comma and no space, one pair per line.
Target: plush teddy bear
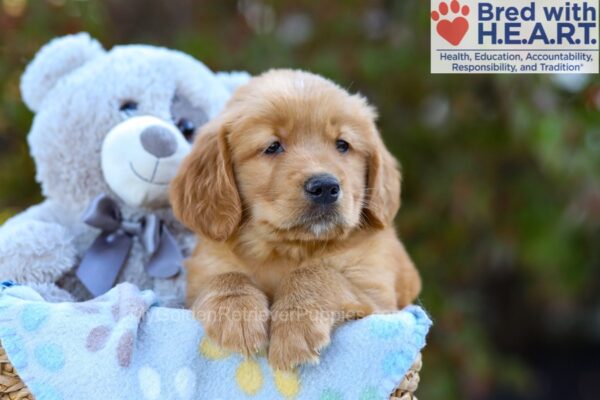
109,132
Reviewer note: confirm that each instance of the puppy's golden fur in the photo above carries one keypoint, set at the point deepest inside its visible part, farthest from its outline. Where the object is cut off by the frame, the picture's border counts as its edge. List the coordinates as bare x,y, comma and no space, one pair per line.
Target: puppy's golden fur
272,268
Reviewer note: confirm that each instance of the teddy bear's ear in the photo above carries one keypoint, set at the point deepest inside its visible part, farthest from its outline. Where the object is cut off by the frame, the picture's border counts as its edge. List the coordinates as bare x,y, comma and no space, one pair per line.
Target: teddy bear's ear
232,80
55,60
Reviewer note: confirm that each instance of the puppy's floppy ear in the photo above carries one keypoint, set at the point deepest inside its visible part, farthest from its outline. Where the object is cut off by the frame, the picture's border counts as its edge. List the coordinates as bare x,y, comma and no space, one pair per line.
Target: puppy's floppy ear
383,186
204,194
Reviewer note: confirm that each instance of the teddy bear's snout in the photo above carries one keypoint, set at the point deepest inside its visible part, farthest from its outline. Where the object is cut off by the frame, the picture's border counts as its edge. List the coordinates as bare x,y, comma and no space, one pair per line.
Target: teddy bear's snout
140,157
158,141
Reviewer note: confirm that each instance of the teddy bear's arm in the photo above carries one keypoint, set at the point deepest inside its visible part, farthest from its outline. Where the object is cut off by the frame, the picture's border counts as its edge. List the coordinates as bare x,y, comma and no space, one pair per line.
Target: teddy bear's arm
35,249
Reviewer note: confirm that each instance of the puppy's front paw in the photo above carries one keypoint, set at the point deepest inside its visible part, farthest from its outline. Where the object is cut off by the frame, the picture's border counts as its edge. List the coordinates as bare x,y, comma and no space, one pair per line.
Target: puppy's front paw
297,341
236,323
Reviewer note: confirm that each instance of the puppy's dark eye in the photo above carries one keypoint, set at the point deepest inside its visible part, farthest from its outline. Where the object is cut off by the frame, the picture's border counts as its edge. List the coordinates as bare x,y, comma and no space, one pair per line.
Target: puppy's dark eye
128,107
342,146
274,148
187,128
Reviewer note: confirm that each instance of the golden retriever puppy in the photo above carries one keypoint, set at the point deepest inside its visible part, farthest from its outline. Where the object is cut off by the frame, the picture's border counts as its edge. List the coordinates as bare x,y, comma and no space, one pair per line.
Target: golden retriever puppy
293,195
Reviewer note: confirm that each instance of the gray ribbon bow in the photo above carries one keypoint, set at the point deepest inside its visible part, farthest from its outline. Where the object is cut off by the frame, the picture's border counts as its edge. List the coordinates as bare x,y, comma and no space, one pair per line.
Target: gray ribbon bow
105,258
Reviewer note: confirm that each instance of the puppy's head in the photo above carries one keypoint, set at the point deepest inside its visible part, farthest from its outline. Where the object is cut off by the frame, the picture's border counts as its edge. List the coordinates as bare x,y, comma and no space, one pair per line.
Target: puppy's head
294,153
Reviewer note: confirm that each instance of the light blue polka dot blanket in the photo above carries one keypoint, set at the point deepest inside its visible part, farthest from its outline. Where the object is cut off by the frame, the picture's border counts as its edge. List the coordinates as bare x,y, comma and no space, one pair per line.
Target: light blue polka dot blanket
123,346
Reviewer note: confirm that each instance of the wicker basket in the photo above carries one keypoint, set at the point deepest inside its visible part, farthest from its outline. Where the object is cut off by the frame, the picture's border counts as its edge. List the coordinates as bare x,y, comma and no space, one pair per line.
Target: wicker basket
407,388
13,388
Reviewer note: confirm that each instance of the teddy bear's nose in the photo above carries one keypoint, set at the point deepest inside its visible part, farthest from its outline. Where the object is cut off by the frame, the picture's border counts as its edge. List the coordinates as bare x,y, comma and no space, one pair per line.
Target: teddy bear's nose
159,141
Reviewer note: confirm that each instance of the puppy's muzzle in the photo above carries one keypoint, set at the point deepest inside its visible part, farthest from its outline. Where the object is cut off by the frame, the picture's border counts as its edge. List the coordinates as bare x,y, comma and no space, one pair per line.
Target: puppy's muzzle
322,189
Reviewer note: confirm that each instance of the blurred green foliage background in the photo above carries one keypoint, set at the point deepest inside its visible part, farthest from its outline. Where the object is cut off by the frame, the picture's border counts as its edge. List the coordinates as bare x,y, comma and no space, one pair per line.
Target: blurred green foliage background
501,193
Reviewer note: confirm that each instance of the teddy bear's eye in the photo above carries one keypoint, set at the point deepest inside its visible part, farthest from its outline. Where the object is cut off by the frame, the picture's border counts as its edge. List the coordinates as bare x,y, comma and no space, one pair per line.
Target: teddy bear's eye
187,128
128,107
187,116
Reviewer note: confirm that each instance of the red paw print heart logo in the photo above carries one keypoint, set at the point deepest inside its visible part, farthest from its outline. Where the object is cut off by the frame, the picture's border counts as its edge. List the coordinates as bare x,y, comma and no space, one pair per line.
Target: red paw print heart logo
451,22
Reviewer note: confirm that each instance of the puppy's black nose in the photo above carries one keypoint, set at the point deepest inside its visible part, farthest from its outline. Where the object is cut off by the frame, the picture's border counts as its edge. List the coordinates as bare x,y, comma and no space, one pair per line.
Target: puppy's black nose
158,141
322,189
